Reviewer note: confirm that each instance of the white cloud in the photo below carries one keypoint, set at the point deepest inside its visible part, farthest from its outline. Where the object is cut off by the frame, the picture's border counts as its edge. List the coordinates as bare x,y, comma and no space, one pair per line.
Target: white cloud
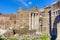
23,2
30,2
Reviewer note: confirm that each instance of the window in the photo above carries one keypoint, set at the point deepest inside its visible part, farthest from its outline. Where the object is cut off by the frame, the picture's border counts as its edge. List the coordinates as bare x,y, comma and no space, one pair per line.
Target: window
40,15
54,13
37,14
58,11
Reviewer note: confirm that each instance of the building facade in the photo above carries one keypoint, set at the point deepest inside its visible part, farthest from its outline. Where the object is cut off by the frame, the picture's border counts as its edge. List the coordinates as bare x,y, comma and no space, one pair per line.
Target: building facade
41,20
44,21
6,21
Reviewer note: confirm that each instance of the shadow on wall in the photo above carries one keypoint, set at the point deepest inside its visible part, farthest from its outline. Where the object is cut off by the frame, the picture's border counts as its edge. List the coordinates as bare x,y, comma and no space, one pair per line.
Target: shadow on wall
53,31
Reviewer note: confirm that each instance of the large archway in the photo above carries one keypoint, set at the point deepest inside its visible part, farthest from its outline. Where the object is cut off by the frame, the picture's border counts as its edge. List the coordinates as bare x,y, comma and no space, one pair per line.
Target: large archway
54,30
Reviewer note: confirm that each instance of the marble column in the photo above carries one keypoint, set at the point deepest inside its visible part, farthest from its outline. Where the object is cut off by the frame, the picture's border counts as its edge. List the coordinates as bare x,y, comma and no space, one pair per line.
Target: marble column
30,21
33,21
36,20
38,23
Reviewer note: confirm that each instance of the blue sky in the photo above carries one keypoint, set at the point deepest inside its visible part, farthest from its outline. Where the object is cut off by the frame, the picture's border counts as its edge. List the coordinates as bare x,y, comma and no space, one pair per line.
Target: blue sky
11,6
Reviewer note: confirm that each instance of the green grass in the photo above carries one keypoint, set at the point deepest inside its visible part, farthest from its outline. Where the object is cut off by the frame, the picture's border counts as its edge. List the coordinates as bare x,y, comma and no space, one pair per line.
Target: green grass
12,38
45,37
42,37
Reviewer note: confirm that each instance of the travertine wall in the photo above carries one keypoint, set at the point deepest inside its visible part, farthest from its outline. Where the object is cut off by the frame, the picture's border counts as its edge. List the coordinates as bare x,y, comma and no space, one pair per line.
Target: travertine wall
45,17
31,18
55,10
6,21
22,18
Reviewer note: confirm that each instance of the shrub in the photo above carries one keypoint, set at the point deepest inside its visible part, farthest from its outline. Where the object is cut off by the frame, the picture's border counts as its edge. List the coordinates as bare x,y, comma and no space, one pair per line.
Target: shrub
2,38
45,37
12,38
